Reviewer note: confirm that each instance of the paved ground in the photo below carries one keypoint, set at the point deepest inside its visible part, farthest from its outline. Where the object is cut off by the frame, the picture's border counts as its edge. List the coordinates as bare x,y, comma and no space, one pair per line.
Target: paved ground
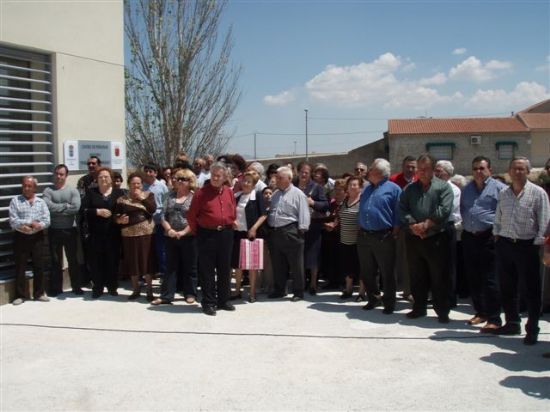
319,354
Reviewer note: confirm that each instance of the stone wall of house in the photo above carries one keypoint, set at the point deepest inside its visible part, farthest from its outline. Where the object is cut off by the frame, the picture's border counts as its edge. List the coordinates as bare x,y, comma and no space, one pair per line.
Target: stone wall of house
540,147
338,163
463,152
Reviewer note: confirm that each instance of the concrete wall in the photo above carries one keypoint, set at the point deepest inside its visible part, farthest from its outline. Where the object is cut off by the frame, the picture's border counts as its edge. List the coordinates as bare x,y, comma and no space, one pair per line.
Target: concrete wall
337,163
86,43
540,147
403,145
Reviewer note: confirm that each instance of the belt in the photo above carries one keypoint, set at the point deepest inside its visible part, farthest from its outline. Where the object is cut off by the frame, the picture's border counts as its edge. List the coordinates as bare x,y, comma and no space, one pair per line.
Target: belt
376,232
518,241
285,227
482,233
217,228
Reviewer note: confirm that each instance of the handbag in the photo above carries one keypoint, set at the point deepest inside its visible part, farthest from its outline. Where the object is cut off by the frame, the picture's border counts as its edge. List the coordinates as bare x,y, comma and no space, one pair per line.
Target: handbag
251,254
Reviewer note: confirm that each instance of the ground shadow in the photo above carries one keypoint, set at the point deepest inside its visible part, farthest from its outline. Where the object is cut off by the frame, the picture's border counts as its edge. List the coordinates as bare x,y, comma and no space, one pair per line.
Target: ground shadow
536,387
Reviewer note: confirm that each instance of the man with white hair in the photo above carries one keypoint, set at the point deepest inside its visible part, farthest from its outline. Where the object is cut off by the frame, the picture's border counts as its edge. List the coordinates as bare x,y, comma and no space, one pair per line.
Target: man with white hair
288,219
378,226
29,216
445,171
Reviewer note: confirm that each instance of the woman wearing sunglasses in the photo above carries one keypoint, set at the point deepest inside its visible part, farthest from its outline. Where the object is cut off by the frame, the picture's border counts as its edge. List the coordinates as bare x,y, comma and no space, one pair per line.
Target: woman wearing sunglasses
181,245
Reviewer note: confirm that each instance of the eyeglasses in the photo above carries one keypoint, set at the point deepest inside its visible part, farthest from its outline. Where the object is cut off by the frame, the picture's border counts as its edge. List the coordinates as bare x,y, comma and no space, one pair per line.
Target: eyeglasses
92,163
183,179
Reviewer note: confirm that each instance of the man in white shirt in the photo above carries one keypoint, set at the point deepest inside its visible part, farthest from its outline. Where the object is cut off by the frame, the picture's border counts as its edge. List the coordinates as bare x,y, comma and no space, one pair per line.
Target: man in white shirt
521,220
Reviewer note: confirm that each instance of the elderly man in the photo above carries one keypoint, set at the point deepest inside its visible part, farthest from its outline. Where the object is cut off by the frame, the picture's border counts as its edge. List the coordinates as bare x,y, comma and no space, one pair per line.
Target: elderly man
211,217
29,216
64,203
445,170
378,223
361,170
521,219
425,207
478,205
289,219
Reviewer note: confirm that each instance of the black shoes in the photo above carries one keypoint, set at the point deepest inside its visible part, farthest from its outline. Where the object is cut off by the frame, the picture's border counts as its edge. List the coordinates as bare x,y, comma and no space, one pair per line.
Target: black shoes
78,292
415,314
443,319
346,295
312,291
508,329
96,294
209,310
532,336
226,306
388,311
372,304
113,292
134,296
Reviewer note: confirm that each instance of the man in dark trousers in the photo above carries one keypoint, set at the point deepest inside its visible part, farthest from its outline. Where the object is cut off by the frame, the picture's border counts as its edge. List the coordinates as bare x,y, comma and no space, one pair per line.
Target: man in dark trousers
425,207
212,217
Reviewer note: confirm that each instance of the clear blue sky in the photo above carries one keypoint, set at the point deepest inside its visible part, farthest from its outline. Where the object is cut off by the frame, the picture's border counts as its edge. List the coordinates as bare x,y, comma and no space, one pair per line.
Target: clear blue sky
355,64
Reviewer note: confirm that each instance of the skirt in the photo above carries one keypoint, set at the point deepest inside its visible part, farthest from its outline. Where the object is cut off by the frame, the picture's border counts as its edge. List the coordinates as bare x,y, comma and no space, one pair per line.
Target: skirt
138,255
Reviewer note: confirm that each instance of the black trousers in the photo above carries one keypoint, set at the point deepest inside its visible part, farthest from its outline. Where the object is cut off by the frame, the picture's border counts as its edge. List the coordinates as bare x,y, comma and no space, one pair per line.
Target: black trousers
286,247
428,261
104,252
515,263
60,239
215,249
377,252
181,259
26,246
479,265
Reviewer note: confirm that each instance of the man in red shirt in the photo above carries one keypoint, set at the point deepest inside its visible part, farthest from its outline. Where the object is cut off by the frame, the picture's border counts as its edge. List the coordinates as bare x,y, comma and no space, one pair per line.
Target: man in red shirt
402,179
211,217
407,174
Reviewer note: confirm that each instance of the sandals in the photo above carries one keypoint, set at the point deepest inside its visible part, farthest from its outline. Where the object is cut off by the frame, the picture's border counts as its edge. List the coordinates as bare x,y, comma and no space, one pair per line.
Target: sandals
160,301
190,299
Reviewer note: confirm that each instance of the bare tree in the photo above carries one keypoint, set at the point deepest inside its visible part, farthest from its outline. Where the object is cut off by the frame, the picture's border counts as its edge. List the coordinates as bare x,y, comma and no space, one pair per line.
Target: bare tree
181,87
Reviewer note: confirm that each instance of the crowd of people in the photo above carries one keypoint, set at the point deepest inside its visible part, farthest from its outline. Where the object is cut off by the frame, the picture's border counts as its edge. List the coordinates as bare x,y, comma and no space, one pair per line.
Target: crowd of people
423,230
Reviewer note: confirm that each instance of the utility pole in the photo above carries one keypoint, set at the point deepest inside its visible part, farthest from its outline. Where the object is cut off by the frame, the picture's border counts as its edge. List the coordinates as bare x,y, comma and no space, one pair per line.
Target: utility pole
295,146
307,151
255,156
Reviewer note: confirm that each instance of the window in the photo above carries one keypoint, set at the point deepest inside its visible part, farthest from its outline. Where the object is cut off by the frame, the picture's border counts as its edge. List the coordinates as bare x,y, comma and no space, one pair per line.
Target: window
25,133
506,150
441,151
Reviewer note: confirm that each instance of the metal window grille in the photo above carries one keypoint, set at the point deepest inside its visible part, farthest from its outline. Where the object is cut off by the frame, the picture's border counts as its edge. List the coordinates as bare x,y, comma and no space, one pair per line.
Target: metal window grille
26,137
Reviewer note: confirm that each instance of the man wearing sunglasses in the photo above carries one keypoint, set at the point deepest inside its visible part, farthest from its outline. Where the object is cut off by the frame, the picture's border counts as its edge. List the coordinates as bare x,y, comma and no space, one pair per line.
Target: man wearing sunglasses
88,181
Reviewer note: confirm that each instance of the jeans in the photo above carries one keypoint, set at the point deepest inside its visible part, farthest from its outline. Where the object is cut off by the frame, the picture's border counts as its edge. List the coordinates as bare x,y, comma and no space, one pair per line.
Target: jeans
181,258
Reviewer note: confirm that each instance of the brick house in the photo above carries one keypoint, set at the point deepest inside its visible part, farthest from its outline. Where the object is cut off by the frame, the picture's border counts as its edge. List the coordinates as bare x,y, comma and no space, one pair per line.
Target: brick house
461,139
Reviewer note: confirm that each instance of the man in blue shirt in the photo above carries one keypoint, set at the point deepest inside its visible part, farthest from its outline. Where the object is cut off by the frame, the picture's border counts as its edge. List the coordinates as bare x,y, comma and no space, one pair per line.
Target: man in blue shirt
478,204
378,224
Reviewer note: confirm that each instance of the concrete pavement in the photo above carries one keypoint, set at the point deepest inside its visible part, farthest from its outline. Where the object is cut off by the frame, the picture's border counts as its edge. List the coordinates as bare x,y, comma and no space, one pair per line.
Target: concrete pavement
75,353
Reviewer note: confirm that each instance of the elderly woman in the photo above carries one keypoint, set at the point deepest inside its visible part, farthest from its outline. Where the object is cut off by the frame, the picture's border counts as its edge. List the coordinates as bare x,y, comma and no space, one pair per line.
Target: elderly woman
318,205
104,235
181,243
348,220
251,214
331,237
134,212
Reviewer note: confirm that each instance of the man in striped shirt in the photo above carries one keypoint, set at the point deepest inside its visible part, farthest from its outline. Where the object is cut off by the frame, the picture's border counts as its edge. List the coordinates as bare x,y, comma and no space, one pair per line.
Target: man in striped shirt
29,216
521,220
